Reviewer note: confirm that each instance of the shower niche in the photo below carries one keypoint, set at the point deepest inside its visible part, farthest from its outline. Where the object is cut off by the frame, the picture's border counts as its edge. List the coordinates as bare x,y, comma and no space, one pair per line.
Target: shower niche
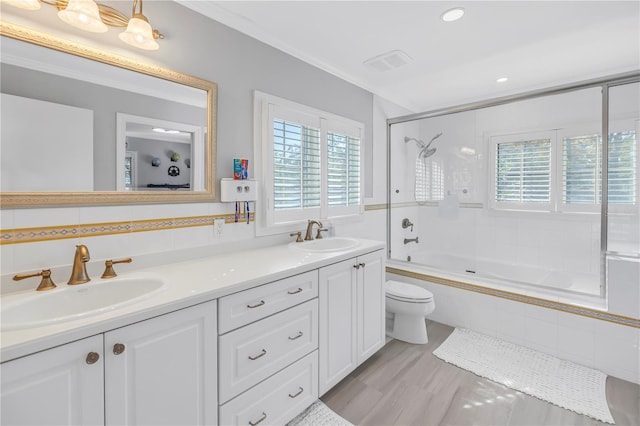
508,191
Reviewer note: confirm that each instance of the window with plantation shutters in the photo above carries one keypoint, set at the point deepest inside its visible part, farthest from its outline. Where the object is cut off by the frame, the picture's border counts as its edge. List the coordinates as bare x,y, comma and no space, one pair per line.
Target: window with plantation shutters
310,162
522,171
543,172
582,169
296,166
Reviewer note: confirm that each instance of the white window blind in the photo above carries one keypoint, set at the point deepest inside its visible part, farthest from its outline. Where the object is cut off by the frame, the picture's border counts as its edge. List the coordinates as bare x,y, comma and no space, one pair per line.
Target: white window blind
429,182
523,170
623,168
343,170
296,166
582,169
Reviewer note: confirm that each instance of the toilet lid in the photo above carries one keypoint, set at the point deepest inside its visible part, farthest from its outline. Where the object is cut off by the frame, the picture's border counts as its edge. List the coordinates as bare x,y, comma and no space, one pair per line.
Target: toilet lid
404,291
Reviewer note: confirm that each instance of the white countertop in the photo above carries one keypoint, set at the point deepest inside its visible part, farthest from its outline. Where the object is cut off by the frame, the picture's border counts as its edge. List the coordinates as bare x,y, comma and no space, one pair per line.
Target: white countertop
187,283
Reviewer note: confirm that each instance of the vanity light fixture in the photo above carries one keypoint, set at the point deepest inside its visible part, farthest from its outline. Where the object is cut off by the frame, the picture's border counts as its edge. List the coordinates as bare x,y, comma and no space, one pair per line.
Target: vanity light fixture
452,14
95,17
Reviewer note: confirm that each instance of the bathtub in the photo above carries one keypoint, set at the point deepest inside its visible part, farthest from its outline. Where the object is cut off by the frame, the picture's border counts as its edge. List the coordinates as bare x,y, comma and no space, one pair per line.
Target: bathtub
500,275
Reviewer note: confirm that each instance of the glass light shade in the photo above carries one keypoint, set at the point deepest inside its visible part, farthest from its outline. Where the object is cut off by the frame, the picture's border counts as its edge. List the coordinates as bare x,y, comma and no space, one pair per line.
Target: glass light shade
24,4
139,34
83,14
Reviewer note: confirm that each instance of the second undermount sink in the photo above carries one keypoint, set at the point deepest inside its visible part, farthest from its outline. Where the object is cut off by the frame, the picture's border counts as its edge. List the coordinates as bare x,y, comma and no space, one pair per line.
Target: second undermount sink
327,244
68,303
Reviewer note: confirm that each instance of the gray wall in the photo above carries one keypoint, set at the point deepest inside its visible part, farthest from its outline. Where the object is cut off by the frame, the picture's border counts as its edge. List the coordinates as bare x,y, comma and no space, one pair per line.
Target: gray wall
204,48
199,46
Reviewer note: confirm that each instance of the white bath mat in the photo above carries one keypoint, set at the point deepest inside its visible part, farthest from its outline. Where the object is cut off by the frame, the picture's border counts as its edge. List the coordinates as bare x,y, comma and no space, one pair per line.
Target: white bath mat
551,379
318,414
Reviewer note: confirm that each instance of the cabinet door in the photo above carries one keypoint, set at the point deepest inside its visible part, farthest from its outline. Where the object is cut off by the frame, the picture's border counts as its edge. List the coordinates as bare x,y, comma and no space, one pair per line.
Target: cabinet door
59,386
337,316
371,332
162,371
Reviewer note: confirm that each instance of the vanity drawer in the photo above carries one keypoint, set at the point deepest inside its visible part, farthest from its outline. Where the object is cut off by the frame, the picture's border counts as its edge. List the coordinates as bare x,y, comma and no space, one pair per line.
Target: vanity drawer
254,352
278,399
251,305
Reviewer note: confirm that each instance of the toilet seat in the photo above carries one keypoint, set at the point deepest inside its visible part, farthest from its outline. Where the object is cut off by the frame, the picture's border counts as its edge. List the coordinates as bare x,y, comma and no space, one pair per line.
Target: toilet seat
404,292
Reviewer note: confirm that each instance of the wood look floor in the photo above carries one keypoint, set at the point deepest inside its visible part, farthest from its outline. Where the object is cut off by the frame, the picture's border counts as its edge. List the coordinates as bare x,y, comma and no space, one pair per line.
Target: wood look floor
405,384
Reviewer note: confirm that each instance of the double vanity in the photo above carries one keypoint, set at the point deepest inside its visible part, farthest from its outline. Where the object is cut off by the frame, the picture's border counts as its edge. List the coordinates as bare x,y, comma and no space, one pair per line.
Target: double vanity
251,337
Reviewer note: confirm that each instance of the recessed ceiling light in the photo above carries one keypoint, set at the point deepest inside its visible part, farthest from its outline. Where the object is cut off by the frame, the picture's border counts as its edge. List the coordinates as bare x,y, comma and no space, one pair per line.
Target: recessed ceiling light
502,79
453,14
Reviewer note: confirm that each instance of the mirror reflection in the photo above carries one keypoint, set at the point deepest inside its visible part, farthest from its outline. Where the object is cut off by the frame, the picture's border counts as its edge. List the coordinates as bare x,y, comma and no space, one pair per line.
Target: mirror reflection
73,125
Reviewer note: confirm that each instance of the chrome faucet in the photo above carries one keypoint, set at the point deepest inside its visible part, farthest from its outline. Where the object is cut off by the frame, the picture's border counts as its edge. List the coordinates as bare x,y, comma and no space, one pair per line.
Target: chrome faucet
411,240
308,235
79,270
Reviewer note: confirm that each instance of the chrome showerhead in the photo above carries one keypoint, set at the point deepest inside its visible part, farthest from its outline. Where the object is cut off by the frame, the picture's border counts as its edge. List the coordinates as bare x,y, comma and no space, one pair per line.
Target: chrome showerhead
427,152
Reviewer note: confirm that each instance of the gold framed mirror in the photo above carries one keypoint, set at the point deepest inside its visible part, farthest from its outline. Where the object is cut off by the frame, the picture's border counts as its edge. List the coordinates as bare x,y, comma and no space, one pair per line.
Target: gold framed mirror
103,183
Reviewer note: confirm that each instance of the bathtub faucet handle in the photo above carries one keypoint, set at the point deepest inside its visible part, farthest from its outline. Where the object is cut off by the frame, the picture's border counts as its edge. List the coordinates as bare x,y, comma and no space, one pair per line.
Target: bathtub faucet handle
407,223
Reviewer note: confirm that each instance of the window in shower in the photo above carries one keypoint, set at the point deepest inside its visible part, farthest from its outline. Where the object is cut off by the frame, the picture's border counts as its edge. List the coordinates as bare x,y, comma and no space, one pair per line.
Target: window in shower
525,178
582,170
310,162
522,171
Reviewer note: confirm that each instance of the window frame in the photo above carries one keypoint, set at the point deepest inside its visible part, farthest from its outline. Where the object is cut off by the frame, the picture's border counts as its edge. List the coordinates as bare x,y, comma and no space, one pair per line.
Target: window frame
266,108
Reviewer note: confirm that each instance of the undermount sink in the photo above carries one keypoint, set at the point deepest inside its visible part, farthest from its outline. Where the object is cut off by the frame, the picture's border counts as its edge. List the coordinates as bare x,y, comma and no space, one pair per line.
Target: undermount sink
67,303
327,244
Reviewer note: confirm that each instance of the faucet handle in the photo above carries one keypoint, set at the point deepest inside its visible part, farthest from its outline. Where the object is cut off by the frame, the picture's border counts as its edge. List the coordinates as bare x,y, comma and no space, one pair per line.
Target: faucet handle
318,235
45,284
109,272
299,236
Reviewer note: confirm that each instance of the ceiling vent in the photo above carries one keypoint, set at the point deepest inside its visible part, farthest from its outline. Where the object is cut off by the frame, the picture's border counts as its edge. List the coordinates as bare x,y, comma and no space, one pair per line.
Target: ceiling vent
388,61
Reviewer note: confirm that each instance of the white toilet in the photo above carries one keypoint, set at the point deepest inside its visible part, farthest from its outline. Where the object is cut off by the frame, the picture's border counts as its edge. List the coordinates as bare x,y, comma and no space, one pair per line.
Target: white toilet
407,305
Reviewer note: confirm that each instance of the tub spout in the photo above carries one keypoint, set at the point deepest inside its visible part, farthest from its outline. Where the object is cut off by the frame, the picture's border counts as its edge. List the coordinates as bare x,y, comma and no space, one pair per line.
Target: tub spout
411,240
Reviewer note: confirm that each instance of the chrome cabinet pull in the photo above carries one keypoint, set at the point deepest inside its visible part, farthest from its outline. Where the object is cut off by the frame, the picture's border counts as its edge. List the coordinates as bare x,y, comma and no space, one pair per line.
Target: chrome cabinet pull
255,306
295,291
357,266
118,348
261,354
297,393
92,357
362,264
297,336
264,416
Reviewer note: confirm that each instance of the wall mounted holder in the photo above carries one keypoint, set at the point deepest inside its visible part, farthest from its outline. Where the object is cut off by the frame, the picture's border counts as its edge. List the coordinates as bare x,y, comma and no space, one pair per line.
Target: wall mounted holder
232,190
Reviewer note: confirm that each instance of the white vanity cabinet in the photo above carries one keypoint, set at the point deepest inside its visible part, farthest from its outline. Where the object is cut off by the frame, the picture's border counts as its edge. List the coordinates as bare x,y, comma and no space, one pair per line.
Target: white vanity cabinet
59,386
351,315
161,371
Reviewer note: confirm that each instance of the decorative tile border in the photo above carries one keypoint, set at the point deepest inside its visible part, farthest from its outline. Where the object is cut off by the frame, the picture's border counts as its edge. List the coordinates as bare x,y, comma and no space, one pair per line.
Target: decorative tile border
544,303
48,233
